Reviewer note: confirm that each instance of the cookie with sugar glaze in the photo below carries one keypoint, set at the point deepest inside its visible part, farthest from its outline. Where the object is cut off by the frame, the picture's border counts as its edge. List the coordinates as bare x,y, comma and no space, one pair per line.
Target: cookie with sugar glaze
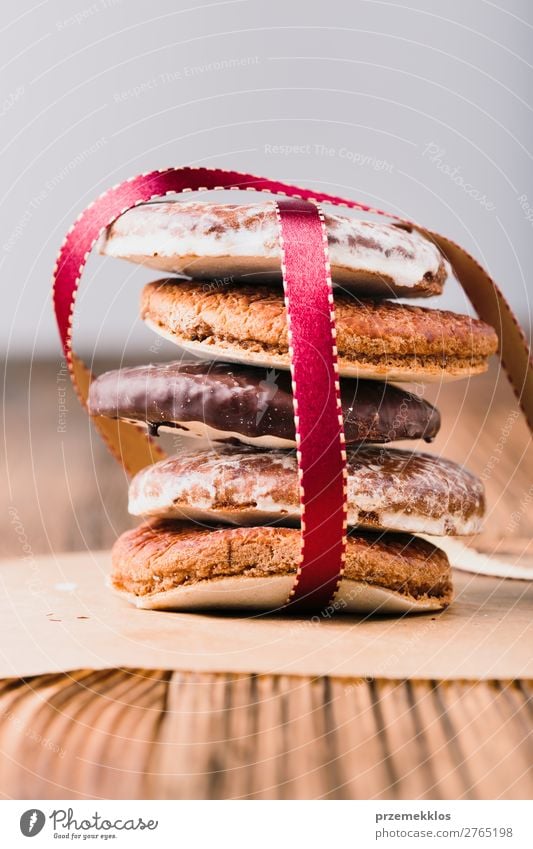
388,489
213,240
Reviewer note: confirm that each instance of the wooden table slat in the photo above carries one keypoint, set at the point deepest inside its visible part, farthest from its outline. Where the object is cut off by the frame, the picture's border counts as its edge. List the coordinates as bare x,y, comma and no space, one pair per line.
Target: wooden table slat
154,734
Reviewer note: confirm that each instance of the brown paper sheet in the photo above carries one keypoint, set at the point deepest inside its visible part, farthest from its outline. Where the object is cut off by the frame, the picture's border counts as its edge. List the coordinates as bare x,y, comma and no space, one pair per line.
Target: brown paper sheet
57,615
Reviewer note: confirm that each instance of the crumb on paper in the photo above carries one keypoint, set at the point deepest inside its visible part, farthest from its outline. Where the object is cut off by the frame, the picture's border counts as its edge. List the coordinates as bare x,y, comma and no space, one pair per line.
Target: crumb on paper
65,586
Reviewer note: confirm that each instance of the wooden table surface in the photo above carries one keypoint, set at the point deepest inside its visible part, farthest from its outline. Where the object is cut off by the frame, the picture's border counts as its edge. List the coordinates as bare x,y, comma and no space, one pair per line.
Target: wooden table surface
134,733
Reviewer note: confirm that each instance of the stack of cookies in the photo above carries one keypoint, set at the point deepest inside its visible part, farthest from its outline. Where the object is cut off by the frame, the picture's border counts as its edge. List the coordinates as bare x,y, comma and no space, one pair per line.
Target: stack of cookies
220,521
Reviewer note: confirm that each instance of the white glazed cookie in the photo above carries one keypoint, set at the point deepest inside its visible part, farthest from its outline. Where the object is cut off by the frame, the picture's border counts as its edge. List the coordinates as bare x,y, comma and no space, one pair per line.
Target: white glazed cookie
210,240
388,489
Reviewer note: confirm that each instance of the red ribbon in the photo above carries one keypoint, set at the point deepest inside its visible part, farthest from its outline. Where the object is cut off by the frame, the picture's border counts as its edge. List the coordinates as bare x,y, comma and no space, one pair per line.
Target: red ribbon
317,405
318,418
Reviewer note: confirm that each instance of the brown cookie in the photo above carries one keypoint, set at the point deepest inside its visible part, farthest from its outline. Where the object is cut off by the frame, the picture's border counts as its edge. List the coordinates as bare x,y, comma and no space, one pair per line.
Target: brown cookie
181,566
375,339
388,489
206,240
229,402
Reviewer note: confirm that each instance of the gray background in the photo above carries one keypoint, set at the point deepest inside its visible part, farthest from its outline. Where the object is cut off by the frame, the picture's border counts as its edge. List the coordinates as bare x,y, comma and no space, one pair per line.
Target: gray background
424,109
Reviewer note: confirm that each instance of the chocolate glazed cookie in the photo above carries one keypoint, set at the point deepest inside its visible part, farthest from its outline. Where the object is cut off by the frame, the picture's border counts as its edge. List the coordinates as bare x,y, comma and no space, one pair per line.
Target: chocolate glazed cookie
229,402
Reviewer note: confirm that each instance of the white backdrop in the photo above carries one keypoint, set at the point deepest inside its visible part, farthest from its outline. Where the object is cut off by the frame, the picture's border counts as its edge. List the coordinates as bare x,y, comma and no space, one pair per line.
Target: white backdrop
424,109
